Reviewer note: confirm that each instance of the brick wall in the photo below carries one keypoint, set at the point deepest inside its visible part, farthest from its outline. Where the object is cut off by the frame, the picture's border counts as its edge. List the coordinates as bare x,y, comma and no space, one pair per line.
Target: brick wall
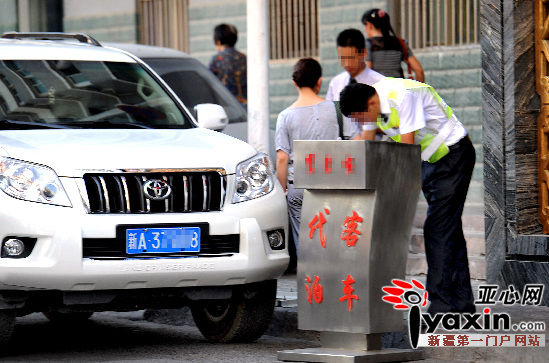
8,16
106,20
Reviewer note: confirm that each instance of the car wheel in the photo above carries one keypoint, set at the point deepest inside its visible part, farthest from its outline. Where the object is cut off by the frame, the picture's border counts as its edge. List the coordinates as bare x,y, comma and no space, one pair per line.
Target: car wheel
243,318
7,324
65,318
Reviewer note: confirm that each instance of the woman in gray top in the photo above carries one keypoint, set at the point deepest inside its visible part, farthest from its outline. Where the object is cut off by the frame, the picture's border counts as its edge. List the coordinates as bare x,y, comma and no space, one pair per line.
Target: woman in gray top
310,117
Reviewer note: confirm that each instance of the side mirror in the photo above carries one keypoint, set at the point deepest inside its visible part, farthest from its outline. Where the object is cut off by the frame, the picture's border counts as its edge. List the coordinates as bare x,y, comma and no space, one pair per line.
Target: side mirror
211,116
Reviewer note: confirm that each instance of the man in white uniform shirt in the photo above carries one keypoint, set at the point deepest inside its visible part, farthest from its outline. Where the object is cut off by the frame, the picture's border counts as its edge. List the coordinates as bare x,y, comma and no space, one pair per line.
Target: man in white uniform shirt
412,112
351,51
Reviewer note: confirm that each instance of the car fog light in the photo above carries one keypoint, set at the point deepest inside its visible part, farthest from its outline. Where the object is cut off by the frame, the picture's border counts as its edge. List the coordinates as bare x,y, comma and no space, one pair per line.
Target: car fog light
276,239
14,247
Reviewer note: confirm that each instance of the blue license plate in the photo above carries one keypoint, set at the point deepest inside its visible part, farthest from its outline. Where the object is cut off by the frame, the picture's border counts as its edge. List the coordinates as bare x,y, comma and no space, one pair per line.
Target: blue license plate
162,240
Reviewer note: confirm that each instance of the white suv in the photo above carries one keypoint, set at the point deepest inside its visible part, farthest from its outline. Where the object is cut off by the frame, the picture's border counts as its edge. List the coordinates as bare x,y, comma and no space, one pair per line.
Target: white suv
113,199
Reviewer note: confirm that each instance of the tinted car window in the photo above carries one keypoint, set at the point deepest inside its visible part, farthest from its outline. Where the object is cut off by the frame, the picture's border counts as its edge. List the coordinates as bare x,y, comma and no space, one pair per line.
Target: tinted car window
87,94
195,84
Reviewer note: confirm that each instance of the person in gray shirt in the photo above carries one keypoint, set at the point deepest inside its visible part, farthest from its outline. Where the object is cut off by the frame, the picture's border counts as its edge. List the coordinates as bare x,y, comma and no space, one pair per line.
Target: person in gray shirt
310,117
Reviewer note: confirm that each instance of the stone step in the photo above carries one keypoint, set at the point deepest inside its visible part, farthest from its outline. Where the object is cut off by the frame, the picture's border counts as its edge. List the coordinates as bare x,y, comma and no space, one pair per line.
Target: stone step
417,265
472,218
476,208
475,196
475,242
473,229
471,223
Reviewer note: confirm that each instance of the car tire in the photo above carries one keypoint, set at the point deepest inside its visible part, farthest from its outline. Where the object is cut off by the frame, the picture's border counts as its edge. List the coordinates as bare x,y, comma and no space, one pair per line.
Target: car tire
67,318
243,318
7,325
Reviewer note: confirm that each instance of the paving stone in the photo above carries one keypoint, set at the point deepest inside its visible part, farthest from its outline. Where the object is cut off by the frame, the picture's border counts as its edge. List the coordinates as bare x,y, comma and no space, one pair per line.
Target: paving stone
284,324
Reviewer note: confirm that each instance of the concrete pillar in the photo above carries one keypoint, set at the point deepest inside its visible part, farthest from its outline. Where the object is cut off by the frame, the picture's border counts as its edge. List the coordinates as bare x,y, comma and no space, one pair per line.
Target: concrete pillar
257,23
23,13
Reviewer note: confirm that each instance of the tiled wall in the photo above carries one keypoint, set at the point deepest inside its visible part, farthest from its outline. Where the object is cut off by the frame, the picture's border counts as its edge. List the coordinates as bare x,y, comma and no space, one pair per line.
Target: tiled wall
8,16
455,72
204,16
106,20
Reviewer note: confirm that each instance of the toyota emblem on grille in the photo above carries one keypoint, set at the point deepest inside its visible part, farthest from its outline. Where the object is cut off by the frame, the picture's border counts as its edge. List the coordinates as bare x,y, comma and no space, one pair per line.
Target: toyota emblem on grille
156,189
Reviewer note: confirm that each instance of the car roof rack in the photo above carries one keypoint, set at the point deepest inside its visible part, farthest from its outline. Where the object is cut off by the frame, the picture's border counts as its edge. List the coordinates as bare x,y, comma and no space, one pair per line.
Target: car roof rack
81,37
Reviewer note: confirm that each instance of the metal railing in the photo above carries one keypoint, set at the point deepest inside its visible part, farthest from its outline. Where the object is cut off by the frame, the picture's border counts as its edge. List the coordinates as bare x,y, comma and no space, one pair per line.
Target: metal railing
165,23
431,23
293,28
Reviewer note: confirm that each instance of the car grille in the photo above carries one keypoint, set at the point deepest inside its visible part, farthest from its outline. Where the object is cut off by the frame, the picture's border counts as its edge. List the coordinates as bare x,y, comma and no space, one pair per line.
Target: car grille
115,248
196,191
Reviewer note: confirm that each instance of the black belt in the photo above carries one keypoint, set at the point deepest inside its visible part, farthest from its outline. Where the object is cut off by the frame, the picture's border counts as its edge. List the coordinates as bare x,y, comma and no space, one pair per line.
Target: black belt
290,181
464,140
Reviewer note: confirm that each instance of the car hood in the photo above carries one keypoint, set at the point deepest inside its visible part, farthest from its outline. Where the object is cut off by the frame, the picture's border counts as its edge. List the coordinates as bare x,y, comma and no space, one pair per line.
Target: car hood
71,152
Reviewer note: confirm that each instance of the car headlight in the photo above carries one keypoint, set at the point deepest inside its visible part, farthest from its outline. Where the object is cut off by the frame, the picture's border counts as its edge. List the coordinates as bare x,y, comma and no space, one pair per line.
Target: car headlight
254,178
32,182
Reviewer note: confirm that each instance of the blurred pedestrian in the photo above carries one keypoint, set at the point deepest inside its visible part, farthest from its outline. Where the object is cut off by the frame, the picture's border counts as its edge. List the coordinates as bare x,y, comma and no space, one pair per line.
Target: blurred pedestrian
310,117
386,51
351,51
229,65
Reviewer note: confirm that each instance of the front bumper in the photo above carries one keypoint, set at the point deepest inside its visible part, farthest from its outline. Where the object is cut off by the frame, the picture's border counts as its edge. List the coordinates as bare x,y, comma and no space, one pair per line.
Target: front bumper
56,262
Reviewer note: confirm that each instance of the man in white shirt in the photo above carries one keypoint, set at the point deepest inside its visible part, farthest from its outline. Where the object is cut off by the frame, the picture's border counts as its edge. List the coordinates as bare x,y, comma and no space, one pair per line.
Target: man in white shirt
412,112
351,51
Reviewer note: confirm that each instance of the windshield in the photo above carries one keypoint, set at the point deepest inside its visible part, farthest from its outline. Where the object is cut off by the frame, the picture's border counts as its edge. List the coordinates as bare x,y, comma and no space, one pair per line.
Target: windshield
195,84
83,94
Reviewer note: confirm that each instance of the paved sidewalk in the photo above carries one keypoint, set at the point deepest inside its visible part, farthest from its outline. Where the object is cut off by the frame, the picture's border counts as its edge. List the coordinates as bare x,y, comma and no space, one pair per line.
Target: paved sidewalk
285,324
286,294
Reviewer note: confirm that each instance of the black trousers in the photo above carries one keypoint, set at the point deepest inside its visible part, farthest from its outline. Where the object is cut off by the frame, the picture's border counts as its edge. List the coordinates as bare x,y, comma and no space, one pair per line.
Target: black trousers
445,184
